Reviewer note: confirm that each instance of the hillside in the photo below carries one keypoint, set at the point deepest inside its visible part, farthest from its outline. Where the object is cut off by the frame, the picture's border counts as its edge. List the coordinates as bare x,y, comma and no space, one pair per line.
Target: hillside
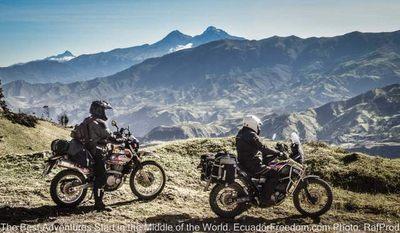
67,68
368,122
365,191
228,78
183,131
18,139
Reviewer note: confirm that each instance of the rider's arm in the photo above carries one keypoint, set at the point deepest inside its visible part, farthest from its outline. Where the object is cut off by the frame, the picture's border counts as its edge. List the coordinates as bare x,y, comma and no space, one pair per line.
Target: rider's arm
101,133
263,148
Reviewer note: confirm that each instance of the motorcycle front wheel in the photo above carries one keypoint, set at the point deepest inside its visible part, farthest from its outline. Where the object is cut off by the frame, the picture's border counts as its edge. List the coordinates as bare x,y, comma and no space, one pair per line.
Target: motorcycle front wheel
313,197
223,200
148,181
66,190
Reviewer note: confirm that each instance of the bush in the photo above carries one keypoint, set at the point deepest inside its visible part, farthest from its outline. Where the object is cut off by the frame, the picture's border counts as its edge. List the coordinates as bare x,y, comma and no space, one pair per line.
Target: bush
3,105
16,118
21,118
350,158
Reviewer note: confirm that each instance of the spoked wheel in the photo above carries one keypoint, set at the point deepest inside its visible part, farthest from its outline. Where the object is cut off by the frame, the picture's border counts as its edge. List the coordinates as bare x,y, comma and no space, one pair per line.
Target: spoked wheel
224,200
313,197
66,188
149,181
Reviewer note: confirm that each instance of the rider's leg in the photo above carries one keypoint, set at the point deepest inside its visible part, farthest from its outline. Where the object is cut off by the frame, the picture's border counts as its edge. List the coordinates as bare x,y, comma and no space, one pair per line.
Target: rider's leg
272,179
100,178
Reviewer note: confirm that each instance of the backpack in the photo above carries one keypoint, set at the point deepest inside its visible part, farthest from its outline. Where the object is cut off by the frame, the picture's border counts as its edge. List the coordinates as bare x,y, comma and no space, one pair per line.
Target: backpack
81,131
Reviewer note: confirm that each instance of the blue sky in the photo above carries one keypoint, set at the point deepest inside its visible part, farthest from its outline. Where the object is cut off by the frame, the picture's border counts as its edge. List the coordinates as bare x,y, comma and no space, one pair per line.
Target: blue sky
39,28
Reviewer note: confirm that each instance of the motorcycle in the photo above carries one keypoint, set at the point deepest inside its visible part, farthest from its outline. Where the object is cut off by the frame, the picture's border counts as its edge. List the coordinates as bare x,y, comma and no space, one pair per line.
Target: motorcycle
235,191
69,186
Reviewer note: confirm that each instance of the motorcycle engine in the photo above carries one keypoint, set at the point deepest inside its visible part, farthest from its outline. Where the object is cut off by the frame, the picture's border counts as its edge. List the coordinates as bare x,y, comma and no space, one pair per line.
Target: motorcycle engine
115,167
278,197
113,180
280,191
114,177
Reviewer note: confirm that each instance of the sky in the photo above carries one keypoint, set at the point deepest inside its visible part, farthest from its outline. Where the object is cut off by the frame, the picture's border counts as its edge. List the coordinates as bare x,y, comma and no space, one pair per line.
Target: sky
37,29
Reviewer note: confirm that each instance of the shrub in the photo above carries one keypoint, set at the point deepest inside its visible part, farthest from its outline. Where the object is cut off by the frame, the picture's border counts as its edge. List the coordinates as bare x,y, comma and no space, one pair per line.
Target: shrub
21,118
16,118
350,158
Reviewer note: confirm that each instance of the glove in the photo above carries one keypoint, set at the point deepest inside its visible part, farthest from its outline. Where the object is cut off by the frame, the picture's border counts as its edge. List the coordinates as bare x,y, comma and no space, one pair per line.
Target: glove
120,140
283,156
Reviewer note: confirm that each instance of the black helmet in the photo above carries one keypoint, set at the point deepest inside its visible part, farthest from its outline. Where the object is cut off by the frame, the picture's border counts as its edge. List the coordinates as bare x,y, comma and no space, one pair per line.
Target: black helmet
98,107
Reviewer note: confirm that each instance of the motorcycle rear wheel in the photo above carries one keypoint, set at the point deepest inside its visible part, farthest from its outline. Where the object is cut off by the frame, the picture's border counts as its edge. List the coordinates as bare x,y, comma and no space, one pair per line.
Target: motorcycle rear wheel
225,195
59,186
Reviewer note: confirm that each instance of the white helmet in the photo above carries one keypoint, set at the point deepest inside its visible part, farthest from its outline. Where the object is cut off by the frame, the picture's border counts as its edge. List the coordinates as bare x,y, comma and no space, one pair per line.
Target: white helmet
252,122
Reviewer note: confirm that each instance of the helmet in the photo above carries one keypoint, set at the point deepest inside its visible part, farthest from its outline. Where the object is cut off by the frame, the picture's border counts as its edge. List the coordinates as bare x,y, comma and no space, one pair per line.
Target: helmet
252,122
98,107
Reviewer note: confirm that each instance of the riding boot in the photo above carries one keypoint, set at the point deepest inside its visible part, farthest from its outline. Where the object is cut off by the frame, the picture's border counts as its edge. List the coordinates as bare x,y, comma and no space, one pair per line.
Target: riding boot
98,201
268,188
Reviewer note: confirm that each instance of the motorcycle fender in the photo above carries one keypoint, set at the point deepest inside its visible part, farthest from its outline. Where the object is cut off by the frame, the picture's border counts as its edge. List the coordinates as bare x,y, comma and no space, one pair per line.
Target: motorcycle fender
310,176
137,162
50,164
146,153
68,165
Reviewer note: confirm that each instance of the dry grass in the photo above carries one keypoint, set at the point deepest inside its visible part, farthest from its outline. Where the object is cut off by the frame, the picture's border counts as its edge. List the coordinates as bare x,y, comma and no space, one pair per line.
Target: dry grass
26,198
18,139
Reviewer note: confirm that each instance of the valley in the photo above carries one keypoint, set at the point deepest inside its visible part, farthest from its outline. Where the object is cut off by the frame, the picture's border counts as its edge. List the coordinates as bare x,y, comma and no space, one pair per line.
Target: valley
217,83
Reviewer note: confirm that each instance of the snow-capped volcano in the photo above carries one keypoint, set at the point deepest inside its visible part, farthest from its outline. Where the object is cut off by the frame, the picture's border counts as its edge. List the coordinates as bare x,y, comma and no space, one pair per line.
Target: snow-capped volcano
62,57
66,68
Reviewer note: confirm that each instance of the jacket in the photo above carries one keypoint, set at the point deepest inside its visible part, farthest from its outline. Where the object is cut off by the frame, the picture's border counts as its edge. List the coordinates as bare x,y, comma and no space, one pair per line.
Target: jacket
248,144
98,132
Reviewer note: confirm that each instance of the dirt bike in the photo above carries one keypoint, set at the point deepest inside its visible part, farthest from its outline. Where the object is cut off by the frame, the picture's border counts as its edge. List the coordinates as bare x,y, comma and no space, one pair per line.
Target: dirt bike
69,186
235,191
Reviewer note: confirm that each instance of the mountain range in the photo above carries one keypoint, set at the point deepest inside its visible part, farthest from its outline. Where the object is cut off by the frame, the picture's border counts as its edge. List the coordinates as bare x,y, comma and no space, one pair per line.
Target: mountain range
220,81
369,122
66,68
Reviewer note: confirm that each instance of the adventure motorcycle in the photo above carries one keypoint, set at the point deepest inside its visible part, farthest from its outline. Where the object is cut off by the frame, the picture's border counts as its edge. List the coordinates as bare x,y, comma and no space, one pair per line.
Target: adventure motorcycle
69,187
235,191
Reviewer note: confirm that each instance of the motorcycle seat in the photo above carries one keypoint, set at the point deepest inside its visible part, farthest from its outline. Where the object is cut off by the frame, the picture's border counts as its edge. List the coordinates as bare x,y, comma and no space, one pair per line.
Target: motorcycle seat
262,172
255,175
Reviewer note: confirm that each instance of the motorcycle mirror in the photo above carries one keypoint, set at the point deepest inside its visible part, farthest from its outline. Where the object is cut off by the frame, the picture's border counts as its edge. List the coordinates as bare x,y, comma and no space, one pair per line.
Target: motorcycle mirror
114,123
274,137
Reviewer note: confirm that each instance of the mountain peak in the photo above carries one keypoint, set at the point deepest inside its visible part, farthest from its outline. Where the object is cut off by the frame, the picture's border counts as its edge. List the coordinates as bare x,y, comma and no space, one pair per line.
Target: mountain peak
62,57
214,30
67,53
175,33
175,37
211,28
211,34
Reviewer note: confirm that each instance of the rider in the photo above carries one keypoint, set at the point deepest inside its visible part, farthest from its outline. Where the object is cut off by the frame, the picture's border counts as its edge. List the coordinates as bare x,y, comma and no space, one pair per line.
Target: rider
99,135
248,144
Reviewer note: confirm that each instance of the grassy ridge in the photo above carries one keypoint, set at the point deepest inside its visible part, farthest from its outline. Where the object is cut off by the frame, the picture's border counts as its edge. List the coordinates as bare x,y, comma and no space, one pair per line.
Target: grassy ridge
19,139
25,198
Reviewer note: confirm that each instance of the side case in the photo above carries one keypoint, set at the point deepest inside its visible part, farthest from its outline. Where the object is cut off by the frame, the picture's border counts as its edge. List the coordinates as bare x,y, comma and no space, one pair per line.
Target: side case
224,169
